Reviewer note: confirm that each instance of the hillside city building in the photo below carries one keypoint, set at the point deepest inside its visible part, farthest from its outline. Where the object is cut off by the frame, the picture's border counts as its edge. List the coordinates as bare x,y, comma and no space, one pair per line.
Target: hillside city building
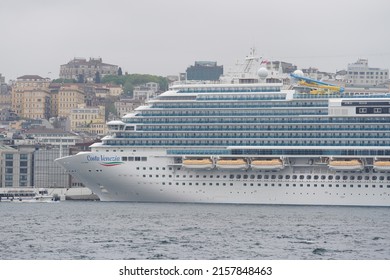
146,91
126,105
16,166
69,97
88,119
359,74
81,70
29,96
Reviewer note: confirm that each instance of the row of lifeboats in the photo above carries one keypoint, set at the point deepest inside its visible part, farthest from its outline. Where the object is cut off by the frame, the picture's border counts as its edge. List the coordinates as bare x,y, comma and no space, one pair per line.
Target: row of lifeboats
233,164
356,165
275,164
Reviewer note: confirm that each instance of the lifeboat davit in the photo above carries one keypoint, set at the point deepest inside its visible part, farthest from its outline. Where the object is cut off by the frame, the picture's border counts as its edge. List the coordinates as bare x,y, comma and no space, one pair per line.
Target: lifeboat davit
232,164
267,164
382,165
198,163
347,164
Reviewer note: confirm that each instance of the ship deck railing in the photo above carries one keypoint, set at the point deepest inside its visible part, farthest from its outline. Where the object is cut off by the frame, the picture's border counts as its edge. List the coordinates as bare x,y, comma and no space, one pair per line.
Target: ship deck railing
210,114
283,153
197,120
242,137
337,95
274,129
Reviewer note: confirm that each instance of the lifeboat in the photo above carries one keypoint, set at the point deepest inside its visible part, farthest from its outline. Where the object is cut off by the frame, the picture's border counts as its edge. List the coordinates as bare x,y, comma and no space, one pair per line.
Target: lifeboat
347,164
382,165
232,164
198,163
267,164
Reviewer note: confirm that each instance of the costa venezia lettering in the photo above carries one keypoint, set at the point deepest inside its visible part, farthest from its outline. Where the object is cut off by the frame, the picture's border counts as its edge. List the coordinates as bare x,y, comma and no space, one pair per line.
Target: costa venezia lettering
103,158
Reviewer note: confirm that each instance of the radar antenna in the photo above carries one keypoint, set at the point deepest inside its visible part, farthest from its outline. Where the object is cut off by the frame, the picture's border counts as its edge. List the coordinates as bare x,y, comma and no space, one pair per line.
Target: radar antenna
250,59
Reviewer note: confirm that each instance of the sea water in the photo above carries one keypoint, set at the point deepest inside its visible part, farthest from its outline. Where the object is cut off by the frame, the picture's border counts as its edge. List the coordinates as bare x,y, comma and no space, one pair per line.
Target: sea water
111,230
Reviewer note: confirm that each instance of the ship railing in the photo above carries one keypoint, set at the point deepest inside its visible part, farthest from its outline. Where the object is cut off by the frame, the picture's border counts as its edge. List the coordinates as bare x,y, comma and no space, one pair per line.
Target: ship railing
344,95
266,120
221,127
275,136
271,113
239,106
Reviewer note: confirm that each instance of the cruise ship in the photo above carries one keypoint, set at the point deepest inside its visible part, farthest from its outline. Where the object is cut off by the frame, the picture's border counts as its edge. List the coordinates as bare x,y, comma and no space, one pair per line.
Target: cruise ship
248,142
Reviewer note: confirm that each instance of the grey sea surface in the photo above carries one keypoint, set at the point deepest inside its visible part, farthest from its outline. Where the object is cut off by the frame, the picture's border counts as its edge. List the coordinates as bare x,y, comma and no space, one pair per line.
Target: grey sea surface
111,230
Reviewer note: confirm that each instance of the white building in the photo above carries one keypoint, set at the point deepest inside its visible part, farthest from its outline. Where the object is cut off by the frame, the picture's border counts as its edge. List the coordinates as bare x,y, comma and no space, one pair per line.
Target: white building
53,137
359,74
146,91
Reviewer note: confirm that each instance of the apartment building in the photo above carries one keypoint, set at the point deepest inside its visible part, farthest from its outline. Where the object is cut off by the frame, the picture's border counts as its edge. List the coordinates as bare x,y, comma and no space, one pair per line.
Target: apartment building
88,119
16,168
69,97
36,104
125,106
146,91
360,74
23,91
114,90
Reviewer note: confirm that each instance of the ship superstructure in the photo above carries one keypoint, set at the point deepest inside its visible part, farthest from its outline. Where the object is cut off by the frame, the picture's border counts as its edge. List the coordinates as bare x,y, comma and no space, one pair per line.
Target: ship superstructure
245,143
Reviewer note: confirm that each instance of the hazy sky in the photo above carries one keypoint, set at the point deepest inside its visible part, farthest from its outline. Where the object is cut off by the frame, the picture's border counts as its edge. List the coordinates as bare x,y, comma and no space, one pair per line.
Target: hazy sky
164,37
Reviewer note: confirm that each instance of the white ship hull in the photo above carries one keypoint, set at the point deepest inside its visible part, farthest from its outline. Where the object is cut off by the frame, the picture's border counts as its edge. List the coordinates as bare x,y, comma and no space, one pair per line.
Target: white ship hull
159,179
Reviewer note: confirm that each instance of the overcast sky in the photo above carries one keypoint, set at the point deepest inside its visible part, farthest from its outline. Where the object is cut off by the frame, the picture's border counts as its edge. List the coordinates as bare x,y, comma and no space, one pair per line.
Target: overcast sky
164,37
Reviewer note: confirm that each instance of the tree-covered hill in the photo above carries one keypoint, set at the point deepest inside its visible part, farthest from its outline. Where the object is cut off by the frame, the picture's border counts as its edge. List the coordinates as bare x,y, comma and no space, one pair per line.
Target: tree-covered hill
129,81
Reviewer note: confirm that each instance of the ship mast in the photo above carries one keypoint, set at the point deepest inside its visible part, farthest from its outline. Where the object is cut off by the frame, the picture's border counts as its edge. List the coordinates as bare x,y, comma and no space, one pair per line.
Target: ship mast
249,60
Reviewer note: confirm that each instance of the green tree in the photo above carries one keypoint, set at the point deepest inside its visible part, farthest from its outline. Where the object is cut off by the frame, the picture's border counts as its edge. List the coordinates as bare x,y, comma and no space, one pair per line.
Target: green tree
128,88
129,81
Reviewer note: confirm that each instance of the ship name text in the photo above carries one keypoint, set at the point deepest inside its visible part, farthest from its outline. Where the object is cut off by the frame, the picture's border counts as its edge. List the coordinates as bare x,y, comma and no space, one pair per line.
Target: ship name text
103,158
